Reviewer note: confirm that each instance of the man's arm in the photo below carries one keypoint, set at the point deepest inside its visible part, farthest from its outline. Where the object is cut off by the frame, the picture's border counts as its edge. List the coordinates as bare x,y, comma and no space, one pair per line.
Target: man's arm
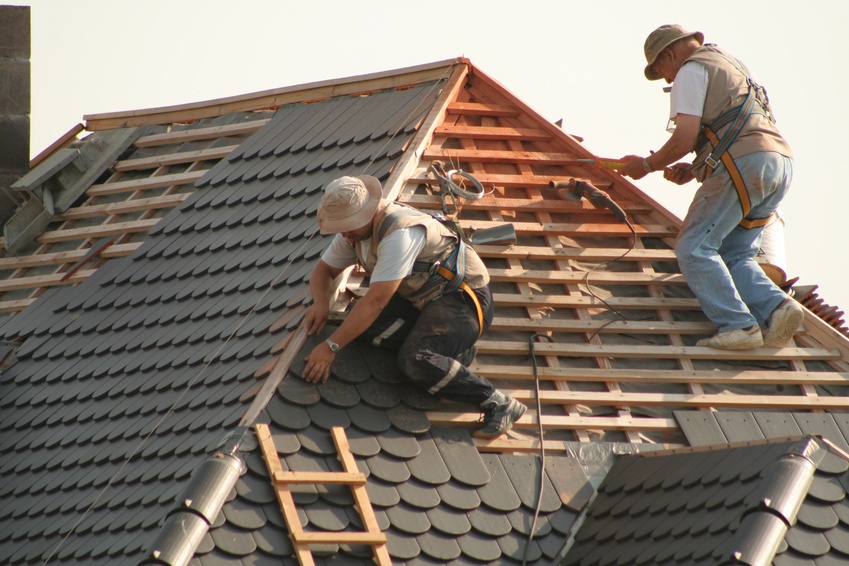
321,278
683,141
364,313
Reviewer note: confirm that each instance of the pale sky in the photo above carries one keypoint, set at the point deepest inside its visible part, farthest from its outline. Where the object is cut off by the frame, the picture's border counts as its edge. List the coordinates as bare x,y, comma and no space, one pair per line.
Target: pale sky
580,61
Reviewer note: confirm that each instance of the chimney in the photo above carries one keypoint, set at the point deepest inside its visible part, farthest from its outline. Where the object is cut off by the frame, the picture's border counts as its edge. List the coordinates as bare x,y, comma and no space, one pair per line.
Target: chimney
14,103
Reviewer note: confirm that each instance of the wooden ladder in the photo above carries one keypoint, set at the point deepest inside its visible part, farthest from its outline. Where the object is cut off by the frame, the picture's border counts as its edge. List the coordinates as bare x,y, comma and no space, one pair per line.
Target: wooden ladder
351,476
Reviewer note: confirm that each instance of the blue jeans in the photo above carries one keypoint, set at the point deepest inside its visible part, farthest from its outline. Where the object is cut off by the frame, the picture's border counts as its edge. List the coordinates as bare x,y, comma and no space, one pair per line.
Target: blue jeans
717,256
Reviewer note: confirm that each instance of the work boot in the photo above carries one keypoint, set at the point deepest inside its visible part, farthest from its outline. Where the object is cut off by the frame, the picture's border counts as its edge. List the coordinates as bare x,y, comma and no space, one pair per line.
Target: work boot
783,323
740,339
498,418
466,357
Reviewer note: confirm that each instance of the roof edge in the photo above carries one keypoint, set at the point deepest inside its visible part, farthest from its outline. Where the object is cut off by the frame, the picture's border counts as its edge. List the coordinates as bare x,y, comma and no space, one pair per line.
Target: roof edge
272,98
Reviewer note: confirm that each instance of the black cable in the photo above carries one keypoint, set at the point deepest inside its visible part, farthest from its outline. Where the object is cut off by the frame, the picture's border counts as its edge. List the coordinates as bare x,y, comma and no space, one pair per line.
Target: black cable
600,265
541,441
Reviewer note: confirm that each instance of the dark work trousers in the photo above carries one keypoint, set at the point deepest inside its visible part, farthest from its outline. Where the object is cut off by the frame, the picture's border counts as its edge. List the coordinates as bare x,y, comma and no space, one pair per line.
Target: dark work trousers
428,341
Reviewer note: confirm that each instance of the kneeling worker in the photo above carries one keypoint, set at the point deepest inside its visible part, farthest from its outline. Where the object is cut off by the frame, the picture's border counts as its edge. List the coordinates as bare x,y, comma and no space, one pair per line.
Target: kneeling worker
428,296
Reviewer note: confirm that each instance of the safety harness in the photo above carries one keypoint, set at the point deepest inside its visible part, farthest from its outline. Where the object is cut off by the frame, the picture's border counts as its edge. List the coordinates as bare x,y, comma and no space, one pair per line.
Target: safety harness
756,103
452,270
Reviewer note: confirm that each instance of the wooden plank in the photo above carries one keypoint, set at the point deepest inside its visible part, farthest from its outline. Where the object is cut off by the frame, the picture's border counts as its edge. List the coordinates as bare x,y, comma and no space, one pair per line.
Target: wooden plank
746,377
576,254
530,445
361,500
492,133
320,477
648,424
622,399
57,258
39,281
124,207
616,229
214,132
15,306
284,496
655,351
509,156
603,326
566,301
209,154
271,99
342,537
525,205
90,232
597,277
482,109
145,183
293,345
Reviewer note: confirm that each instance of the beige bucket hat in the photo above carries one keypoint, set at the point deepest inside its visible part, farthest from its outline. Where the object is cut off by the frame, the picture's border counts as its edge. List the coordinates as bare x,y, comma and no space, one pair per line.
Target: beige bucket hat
348,203
660,39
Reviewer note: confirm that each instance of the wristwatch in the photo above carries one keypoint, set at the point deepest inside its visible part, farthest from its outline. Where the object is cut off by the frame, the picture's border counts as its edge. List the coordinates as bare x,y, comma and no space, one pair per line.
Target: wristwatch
647,166
334,347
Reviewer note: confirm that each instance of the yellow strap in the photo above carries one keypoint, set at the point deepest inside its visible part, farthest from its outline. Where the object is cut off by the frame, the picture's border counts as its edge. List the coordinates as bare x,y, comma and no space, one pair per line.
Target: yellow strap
449,275
739,184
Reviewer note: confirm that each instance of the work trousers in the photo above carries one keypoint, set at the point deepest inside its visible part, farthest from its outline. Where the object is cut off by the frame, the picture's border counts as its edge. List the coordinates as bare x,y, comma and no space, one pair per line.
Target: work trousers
428,342
717,255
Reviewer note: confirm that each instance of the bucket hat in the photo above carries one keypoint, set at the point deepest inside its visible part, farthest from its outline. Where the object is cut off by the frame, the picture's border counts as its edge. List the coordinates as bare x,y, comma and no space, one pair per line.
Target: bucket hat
348,203
660,39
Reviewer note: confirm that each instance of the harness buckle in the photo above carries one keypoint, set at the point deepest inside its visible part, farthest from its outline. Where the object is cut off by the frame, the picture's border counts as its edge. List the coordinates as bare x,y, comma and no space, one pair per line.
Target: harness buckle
434,267
711,162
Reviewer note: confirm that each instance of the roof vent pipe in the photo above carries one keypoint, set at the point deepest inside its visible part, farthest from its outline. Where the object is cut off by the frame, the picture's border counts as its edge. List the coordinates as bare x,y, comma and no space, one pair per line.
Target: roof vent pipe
199,504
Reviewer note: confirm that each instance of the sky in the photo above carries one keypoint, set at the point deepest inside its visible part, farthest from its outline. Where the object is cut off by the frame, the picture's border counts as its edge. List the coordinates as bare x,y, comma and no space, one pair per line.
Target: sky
579,61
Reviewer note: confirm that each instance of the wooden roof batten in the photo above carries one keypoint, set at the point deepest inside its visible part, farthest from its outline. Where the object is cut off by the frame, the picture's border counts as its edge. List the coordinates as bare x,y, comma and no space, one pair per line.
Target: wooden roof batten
482,135
270,99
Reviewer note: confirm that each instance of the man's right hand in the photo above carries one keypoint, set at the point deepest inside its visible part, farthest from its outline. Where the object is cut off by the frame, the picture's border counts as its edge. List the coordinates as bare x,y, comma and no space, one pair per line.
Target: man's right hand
315,318
680,173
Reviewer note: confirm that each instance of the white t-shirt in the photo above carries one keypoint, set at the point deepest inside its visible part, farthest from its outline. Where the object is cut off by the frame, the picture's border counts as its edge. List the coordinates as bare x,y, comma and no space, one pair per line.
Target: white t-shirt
688,92
396,253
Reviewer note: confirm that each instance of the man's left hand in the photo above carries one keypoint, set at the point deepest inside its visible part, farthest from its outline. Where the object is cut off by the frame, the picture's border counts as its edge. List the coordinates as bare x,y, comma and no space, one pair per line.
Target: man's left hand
633,168
318,364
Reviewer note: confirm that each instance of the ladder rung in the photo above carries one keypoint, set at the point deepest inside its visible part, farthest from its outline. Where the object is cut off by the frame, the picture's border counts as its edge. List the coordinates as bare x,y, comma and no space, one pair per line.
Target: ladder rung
340,537
354,478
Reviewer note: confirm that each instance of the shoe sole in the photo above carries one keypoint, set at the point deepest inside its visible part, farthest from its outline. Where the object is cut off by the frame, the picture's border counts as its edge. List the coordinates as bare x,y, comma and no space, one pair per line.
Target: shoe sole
782,330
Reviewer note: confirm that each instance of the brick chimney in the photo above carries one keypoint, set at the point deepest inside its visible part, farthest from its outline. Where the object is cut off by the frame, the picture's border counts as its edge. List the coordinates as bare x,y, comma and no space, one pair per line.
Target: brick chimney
14,102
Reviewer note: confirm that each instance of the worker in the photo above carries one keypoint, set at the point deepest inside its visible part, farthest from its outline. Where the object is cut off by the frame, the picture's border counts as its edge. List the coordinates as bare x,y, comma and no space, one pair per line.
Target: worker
745,166
428,296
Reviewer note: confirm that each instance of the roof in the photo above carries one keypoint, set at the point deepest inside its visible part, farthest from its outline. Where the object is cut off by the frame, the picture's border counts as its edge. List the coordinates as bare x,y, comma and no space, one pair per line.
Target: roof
132,374
768,502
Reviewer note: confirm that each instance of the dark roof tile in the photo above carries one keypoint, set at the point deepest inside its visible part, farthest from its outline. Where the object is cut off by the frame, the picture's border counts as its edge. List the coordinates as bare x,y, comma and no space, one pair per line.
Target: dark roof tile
499,493
418,495
408,519
388,468
408,420
402,546
398,445
459,496
460,455
448,521
368,419
428,466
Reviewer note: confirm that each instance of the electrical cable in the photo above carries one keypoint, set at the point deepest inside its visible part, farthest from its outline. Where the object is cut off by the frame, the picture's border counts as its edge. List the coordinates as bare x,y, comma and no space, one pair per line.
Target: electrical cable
538,505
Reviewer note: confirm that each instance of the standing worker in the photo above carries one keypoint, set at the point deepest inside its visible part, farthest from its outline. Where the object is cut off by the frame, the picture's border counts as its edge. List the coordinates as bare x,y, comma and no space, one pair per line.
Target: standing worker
428,296
745,167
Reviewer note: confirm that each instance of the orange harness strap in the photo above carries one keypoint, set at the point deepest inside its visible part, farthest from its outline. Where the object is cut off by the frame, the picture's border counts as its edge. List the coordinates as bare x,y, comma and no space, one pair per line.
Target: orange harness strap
739,184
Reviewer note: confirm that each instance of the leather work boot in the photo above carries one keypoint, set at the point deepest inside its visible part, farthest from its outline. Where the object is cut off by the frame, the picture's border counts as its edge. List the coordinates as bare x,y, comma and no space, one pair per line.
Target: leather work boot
740,339
783,323
498,418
